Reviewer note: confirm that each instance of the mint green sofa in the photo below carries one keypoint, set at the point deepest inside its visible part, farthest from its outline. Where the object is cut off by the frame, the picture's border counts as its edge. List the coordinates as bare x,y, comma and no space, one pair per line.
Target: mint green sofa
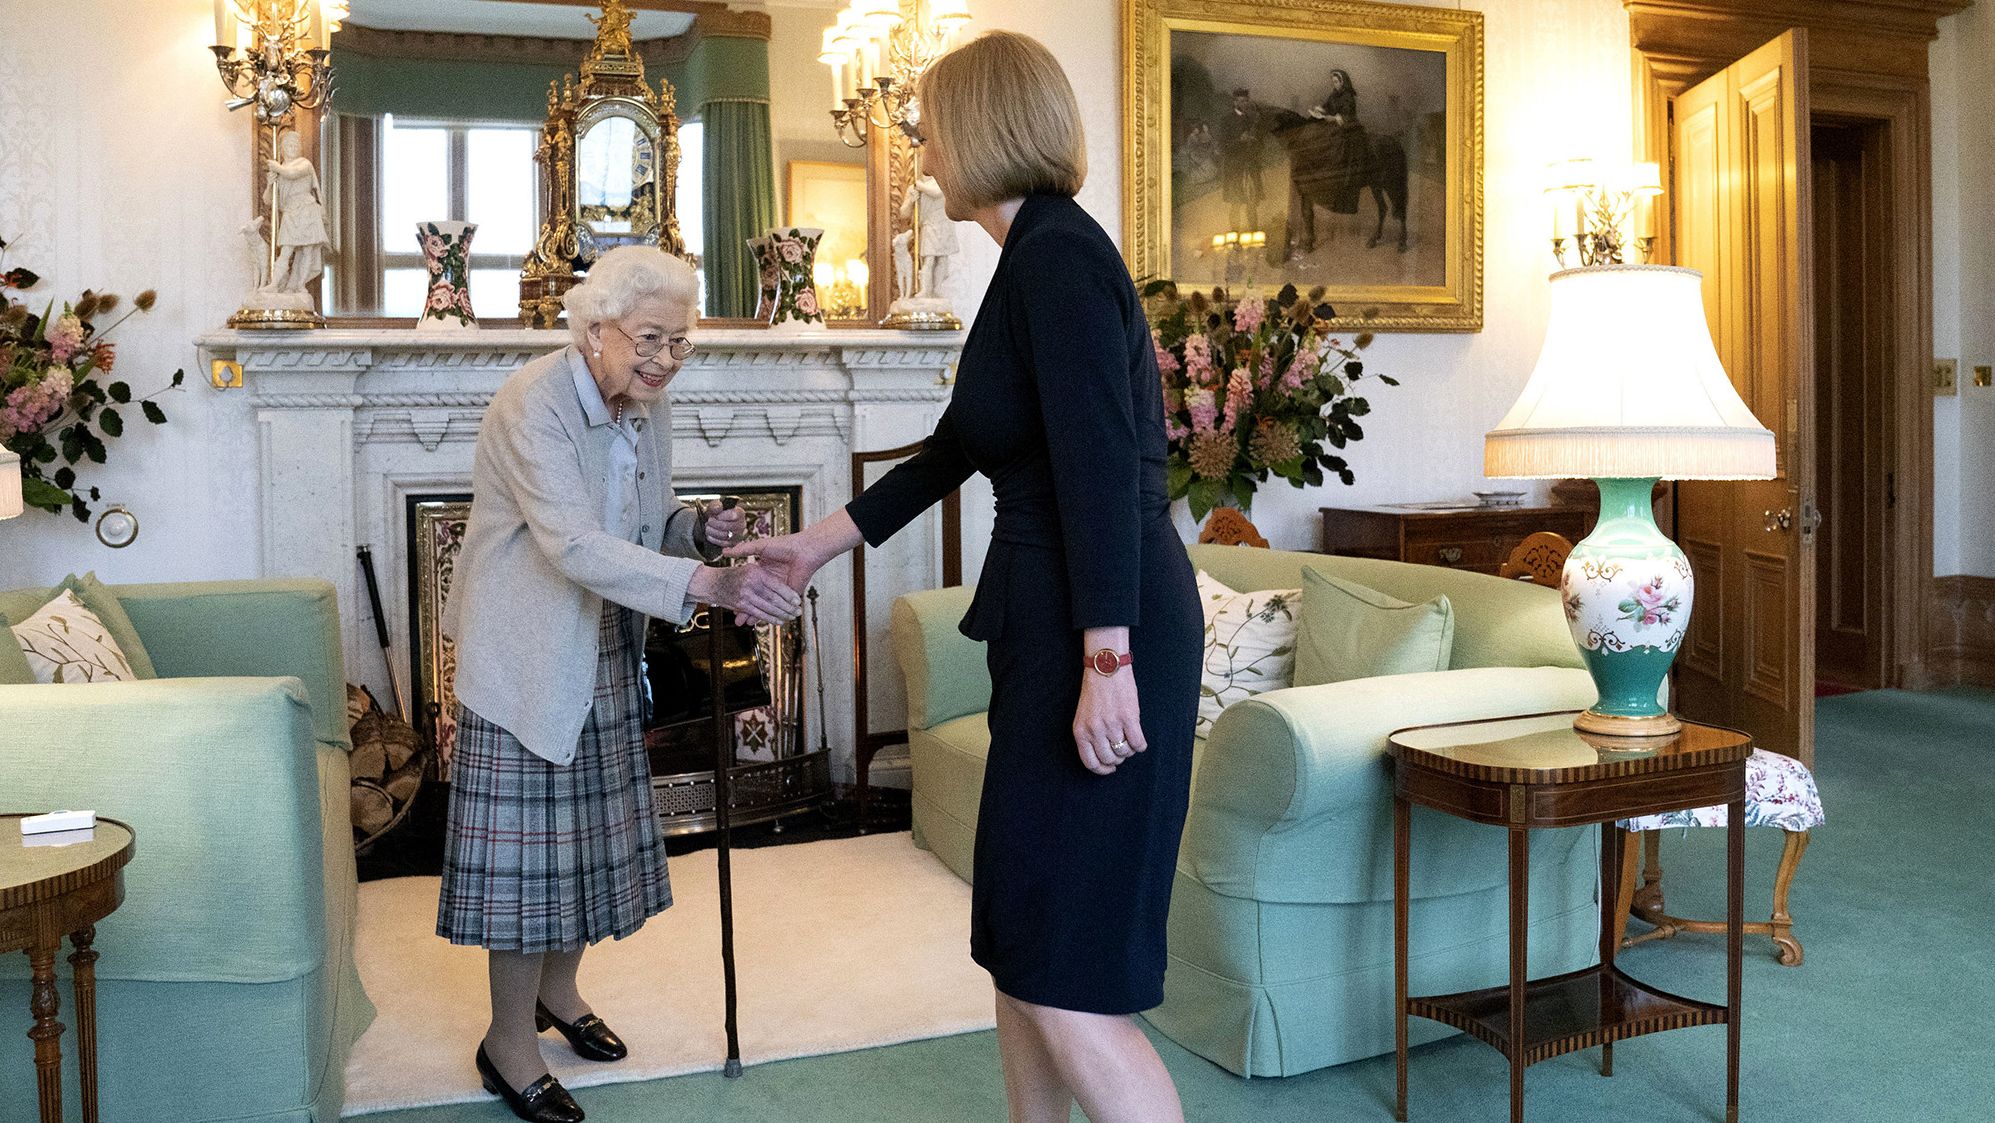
227,987
1281,918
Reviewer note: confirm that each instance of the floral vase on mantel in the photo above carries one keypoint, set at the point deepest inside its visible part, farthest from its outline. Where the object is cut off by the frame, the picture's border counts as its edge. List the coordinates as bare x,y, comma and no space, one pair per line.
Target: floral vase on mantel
447,253
793,250
768,277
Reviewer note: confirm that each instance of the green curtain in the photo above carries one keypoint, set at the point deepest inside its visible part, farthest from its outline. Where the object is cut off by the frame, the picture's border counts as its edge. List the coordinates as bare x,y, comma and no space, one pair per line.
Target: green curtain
739,184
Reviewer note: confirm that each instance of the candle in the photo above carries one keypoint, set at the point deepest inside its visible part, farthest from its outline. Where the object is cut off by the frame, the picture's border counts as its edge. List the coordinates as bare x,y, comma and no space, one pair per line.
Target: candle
226,24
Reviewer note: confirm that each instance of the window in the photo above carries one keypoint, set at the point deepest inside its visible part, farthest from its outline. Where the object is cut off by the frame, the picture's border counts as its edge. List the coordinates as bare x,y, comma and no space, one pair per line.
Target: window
428,171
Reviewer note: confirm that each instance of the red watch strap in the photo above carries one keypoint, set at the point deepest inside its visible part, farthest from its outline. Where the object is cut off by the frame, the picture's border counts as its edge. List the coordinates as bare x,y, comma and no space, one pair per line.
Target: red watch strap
1107,662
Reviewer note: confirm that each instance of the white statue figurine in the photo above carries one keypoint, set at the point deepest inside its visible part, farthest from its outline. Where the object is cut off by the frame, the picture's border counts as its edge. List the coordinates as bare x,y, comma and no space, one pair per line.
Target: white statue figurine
300,219
934,238
937,237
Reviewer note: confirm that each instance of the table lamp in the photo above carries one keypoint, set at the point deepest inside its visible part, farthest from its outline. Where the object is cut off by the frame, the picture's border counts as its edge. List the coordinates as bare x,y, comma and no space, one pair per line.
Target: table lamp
1628,390
10,484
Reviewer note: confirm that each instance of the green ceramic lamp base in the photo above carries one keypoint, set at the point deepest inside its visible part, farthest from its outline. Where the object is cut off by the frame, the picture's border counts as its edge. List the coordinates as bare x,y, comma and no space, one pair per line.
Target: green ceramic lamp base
1627,591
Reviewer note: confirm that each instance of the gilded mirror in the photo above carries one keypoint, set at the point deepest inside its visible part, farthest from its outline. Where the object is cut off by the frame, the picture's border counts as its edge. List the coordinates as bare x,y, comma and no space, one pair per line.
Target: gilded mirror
440,112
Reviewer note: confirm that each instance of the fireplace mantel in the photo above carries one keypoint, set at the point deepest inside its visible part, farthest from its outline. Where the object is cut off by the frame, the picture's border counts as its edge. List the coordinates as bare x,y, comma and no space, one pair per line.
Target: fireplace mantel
351,423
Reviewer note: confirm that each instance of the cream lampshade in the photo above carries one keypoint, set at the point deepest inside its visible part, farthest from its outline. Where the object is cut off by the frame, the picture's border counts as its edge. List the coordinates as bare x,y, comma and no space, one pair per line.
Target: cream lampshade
10,484
1628,389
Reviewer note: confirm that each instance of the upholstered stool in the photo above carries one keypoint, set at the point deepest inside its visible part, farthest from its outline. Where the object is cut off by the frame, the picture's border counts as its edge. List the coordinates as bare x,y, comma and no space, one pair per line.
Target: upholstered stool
1780,792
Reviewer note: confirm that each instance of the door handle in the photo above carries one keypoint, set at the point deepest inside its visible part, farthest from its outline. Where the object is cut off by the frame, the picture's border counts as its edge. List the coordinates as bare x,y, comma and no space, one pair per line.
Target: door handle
1811,520
1449,555
1778,520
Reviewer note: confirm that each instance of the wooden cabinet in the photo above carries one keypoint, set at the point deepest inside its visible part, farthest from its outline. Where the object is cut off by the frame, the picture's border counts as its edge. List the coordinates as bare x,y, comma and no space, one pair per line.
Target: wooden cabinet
1473,538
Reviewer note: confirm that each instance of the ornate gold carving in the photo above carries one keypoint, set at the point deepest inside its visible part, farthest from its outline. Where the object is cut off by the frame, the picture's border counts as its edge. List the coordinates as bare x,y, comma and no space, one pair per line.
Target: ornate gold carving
613,85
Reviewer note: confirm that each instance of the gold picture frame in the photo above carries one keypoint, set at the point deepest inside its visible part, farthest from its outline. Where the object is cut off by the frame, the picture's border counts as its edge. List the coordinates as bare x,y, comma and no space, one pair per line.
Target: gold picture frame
1200,161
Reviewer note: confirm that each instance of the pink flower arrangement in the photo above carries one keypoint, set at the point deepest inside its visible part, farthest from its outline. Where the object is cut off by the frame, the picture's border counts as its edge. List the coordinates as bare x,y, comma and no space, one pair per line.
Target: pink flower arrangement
1262,376
57,410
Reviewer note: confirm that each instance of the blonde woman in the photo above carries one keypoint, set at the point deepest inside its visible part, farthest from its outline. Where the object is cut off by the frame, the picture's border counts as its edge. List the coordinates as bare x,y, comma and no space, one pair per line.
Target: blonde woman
1086,600
575,538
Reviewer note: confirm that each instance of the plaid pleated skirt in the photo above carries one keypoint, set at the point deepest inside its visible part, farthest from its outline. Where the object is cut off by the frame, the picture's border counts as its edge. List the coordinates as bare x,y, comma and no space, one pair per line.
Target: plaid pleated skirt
544,857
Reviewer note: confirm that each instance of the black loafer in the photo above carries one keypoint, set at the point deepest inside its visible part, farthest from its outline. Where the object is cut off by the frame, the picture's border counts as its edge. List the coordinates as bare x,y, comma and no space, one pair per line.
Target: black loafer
543,1101
591,1039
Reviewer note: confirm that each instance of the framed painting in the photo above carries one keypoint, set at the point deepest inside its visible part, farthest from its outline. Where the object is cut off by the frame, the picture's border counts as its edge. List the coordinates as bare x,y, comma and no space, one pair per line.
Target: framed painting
1308,142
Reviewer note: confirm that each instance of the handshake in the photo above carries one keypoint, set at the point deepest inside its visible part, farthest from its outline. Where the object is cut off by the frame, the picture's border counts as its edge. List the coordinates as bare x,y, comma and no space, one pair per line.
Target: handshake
765,589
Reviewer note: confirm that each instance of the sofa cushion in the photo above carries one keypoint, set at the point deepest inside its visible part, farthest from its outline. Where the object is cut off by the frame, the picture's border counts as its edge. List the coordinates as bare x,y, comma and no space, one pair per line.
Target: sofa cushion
65,642
1350,631
1249,645
1498,623
19,604
14,669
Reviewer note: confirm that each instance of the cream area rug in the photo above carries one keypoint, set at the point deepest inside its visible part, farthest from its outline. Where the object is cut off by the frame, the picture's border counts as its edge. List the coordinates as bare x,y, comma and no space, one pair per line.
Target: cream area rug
839,945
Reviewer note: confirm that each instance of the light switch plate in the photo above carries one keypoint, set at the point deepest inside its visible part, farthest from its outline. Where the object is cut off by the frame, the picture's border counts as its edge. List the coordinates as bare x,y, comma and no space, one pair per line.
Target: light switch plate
1945,377
1984,375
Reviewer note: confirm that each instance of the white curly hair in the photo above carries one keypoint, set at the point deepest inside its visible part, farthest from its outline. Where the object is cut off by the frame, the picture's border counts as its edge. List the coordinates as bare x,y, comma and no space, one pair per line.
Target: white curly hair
620,279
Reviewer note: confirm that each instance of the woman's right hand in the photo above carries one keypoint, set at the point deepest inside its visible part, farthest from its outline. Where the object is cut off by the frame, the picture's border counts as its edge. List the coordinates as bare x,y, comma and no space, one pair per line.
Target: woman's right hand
796,558
755,593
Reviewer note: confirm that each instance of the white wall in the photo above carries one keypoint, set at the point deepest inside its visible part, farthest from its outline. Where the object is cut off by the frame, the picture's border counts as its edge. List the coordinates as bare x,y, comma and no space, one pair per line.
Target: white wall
1964,292
128,176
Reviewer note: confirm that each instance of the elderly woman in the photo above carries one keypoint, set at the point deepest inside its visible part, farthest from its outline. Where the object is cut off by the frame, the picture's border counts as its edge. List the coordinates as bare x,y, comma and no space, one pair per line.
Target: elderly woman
575,538
1086,600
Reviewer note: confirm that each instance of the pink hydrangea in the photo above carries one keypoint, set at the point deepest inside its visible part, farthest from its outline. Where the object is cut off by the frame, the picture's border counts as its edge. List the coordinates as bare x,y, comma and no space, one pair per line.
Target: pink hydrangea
1247,316
1203,409
1198,361
1239,393
1264,373
1297,373
1167,363
65,337
1175,431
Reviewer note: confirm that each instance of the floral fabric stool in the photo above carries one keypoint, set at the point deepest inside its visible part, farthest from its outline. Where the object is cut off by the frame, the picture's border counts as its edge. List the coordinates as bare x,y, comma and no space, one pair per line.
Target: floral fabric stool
1780,792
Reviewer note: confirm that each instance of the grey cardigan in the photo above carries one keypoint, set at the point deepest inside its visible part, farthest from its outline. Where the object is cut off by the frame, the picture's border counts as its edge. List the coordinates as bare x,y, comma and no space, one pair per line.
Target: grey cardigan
537,563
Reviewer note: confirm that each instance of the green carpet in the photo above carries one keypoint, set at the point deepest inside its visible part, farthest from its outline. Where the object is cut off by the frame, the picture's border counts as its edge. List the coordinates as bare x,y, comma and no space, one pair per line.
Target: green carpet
1883,1021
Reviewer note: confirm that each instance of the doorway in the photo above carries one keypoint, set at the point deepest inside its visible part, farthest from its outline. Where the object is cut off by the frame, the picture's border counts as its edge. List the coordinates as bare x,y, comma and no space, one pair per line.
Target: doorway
1856,486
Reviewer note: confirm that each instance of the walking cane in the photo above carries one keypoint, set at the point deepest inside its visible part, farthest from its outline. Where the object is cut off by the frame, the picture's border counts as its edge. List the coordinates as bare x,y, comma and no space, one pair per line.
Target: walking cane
722,740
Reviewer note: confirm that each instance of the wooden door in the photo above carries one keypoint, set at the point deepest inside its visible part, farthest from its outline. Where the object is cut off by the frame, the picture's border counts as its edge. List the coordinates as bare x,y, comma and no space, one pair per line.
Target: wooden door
1854,348
1741,205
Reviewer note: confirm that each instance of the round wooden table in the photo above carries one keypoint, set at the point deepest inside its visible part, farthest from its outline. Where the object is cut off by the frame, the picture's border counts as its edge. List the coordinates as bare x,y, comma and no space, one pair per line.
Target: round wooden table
48,891
1531,772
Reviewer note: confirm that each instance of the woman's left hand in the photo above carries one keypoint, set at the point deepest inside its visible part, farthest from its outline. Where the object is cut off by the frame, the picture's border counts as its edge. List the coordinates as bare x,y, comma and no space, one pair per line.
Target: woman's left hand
1107,729
725,525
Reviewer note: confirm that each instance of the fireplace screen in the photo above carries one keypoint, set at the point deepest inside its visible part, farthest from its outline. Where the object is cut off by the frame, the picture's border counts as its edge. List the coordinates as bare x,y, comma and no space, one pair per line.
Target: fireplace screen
761,677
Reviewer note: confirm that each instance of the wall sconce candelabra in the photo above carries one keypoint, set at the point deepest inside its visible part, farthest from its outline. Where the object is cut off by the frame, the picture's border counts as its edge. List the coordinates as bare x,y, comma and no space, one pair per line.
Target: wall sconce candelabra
875,51
1602,209
273,54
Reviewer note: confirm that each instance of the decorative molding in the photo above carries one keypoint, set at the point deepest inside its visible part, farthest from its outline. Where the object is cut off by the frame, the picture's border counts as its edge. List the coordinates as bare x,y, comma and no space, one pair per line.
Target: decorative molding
1960,630
1688,40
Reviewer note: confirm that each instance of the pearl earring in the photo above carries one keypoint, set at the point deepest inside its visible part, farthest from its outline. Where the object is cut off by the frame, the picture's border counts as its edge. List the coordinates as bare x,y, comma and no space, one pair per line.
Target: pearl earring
599,354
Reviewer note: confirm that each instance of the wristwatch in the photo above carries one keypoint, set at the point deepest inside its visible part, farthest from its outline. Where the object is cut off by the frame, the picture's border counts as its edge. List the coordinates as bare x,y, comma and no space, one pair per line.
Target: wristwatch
1107,662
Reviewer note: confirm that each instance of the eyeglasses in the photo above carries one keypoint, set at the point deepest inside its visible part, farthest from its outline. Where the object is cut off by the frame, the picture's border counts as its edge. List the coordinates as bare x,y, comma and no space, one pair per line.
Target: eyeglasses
648,344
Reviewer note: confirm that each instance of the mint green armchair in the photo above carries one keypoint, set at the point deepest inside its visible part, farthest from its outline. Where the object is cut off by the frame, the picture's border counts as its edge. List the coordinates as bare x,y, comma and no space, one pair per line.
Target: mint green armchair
1281,918
227,987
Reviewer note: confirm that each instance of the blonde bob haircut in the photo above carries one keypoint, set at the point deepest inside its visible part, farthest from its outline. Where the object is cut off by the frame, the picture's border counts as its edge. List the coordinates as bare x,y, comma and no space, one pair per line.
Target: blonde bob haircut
1004,116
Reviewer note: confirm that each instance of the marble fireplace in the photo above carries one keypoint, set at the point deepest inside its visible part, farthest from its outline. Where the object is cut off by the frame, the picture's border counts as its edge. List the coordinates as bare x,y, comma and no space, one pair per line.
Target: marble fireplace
355,428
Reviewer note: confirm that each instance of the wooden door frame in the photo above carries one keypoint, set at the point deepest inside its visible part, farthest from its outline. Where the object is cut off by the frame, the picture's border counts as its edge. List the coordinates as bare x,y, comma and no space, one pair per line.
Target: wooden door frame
1866,65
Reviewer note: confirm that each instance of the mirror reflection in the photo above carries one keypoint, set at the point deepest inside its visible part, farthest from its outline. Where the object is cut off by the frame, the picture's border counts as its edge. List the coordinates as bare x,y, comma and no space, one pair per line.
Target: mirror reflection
437,116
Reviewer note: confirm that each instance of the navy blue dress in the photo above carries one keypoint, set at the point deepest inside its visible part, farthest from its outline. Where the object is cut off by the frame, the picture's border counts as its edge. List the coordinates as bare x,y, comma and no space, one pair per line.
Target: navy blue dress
1059,402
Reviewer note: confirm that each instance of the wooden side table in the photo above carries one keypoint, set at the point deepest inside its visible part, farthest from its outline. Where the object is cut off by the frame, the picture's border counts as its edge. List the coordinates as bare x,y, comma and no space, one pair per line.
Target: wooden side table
1521,773
47,892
